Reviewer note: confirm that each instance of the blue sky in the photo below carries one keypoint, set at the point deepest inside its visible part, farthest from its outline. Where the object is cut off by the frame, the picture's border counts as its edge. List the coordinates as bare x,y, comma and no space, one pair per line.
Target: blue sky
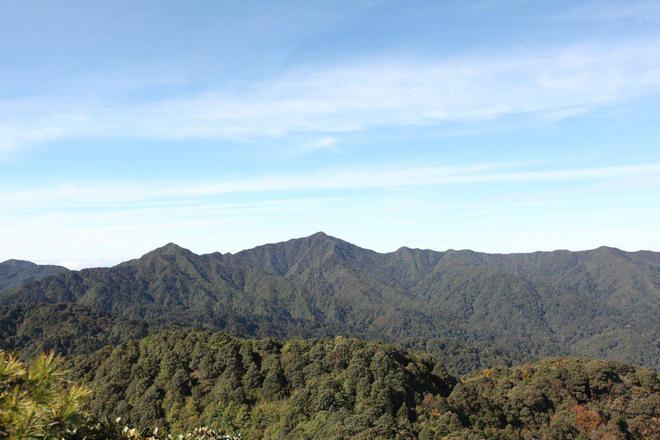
499,126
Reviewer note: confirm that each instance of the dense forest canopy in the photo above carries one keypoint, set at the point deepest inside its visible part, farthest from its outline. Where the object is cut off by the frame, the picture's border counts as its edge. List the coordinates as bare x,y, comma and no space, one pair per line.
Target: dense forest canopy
336,388
347,388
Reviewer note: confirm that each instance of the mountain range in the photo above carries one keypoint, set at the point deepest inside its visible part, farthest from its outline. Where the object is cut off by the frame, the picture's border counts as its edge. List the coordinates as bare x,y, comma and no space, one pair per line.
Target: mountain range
470,309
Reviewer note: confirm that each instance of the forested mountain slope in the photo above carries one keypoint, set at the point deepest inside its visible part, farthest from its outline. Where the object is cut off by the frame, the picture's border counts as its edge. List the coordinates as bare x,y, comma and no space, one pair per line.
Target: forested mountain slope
471,309
346,388
14,273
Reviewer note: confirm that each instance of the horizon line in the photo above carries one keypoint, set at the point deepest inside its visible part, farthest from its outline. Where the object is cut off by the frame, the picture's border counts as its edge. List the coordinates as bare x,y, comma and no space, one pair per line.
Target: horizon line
329,236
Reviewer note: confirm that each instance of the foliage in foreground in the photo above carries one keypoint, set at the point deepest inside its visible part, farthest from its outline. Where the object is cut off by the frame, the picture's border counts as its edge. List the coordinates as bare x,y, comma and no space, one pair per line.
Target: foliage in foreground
553,399
38,402
35,400
334,388
316,389
347,388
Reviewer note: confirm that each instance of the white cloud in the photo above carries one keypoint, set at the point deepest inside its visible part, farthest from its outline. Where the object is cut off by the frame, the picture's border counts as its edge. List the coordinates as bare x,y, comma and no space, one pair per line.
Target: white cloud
136,196
554,83
323,143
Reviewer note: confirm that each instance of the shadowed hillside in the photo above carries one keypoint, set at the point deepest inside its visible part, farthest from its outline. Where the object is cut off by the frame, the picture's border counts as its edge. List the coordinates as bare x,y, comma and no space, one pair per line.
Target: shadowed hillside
14,273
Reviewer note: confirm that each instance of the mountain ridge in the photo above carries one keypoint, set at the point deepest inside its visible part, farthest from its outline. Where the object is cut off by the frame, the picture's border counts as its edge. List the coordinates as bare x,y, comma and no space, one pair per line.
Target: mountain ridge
15,272
492,307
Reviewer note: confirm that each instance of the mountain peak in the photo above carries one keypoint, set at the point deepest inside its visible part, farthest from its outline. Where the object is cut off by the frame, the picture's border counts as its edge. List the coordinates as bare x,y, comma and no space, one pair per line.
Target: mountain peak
608,251
316,239
169,249
314,250
323,241
17,263
321,236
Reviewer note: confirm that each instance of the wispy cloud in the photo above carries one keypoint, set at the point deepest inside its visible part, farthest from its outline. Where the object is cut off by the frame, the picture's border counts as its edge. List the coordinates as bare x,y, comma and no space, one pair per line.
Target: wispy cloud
321,100
319,144
98,196
117,222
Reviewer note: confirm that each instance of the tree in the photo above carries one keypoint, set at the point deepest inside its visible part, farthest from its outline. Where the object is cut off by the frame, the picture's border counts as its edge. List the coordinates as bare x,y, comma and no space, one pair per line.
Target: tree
35,399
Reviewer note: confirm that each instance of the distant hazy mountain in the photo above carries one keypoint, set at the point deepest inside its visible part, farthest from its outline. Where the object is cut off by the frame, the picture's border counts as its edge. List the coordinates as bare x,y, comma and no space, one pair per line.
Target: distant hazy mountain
14,273
471,309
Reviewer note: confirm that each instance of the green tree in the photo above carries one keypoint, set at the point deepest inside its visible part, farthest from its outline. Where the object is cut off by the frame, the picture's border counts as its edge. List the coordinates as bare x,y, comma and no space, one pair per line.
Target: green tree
36,401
